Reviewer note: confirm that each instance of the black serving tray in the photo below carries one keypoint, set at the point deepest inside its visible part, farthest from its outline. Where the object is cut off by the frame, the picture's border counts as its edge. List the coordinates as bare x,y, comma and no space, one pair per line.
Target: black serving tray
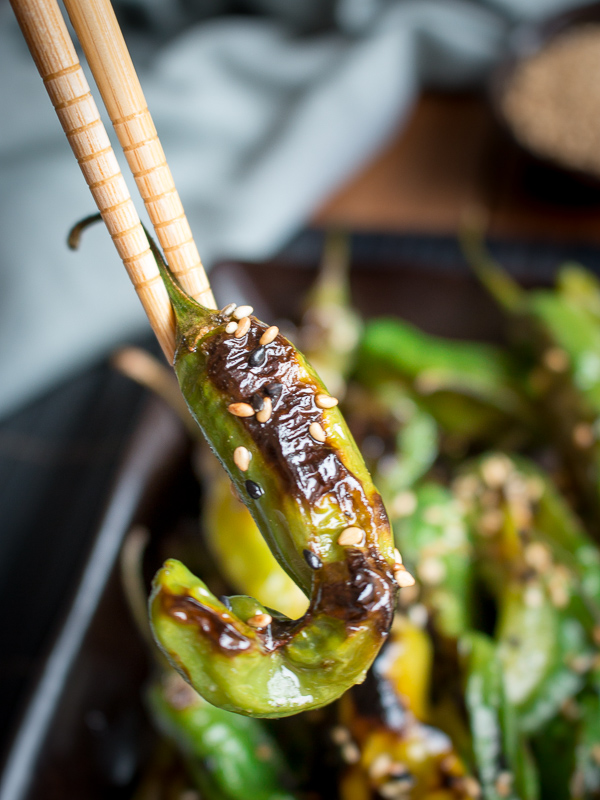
83,733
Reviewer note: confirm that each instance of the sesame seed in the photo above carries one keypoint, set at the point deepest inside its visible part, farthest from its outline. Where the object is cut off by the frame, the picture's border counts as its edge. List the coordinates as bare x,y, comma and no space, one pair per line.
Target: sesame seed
312,559
254,490
258,401
325,401
257,357
231,327
265,413
317,432
242,311
242,328
470,786
351,535
380,766
274,390
240,409
241,458
404,504
228,310
340,735
260,620
269,335
432,570
556,359
350,753
403,577
496,470
583,435
397,556
538,556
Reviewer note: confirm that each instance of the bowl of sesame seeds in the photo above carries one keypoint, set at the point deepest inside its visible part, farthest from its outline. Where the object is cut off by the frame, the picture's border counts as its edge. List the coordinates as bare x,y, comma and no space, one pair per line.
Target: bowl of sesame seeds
546,94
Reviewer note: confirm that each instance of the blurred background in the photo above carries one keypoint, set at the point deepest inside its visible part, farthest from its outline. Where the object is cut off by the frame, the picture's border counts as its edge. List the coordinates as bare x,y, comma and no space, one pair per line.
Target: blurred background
387,118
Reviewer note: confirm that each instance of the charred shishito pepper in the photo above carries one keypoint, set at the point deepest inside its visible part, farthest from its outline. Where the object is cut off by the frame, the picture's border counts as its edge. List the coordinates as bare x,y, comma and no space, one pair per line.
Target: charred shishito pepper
286,447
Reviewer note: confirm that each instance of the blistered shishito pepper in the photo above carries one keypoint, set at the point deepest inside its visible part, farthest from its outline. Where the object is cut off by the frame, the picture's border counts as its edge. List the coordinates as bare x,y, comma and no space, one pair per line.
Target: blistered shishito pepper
504,765
229,757
559,329
390,750
286,447
432,533
546,619
331,328
471,389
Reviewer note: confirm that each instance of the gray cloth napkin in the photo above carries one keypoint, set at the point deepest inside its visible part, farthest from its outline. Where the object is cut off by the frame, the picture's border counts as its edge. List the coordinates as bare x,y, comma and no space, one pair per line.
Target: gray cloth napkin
263,107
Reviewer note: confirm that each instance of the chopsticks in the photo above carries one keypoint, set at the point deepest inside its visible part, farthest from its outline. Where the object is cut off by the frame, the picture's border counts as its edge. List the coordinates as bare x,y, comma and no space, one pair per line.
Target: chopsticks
48,39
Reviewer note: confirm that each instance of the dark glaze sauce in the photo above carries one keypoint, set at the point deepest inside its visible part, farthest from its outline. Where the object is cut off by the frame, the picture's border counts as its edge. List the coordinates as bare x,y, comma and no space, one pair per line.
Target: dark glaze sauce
308,470
224,636
358,590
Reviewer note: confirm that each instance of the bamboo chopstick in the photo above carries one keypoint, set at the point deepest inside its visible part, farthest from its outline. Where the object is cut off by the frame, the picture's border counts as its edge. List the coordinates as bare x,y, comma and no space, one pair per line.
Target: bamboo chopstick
50,44
107,55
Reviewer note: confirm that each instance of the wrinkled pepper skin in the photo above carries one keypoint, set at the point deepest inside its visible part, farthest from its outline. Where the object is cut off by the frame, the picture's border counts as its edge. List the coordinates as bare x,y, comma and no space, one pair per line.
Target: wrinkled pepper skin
398,755
504,764
528,545
302,493
241,553
229,757
470,388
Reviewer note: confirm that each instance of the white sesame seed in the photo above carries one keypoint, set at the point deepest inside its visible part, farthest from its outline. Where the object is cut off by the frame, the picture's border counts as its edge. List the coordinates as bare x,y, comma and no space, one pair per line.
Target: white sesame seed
340,734
350,753
242,311
404,504
583,435
260,620
556,359
265,413
380,766
241,458
397,556
403,577
228,310
351,535
241,409
317,432
231,327
326,401
269,335
432,570
242,328
496,470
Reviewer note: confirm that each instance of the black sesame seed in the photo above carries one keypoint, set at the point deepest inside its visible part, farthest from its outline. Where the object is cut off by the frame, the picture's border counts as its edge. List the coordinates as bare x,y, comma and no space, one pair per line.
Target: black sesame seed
258,401
313,560
257,357
226,602
274,390
254,490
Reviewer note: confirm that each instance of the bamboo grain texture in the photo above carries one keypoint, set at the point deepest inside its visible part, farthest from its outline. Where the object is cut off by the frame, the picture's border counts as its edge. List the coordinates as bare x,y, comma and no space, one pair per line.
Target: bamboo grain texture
55,57
107,55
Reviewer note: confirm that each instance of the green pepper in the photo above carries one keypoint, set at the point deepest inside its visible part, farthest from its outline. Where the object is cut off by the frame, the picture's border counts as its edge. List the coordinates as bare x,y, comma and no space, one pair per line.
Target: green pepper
471,389
331,328
560,332
291,457
436,546
392,752
504,763
240,551
229,757
545,618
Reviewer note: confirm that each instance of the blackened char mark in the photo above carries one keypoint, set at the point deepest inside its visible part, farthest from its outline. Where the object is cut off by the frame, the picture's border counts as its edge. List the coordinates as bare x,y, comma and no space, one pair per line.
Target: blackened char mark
188,611
307,469
357,590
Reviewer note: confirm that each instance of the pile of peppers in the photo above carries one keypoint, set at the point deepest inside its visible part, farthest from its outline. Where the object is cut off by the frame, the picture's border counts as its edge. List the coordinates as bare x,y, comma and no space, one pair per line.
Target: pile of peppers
327,671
